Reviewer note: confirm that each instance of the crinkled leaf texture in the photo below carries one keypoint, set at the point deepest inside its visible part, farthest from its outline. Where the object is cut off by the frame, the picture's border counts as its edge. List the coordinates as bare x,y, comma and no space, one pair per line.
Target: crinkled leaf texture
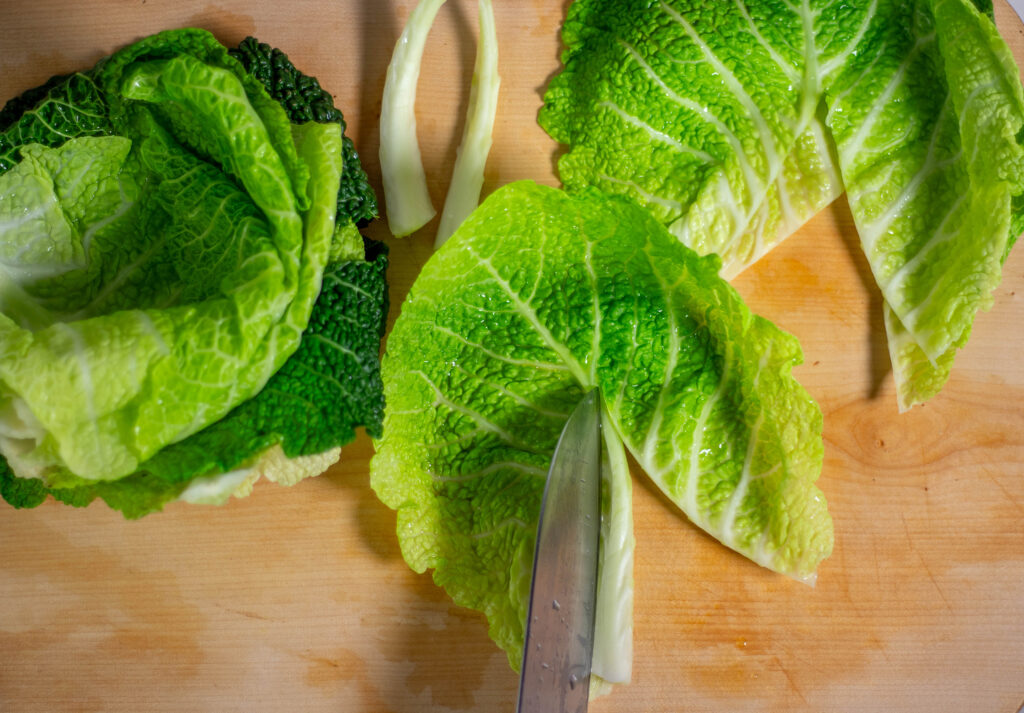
537,298
735,122
305,100
164,235
329,387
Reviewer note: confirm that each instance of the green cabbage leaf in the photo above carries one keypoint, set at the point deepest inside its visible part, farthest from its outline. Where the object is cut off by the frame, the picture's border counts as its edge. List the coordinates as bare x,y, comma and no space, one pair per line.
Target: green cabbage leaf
330,386
734,123
178,290
537,298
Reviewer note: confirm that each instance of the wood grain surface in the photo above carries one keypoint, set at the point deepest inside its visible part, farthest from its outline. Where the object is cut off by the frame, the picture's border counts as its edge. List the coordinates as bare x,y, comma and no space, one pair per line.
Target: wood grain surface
298,599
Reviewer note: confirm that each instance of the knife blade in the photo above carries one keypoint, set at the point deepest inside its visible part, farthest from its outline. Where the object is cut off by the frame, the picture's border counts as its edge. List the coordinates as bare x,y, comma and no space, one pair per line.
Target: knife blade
1018,7
559,642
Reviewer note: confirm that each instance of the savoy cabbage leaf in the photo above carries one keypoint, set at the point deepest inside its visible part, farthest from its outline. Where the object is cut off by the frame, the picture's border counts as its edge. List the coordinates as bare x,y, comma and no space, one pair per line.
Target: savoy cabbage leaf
322,393
164,235
207,342
305,100
64,107
735,122
539,297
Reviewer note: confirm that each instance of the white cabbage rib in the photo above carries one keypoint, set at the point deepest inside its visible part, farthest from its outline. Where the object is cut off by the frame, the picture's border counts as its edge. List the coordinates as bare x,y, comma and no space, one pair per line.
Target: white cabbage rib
693,385
735,127
468,174
406,197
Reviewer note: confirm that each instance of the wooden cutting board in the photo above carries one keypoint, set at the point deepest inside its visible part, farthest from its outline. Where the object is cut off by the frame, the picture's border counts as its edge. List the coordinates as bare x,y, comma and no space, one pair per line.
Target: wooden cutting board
298,599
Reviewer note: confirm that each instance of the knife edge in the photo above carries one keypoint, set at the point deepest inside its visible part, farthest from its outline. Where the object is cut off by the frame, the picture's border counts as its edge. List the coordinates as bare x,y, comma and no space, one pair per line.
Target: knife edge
559,639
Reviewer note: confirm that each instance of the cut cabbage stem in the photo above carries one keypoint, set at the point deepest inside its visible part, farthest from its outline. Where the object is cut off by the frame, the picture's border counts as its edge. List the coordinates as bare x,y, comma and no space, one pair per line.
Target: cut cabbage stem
468,174
406,198
613,622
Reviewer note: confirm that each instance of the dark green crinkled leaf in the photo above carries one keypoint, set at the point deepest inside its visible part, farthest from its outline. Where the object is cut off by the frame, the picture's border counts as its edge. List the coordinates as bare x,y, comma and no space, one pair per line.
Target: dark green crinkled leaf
328,388
202,157
67,106
27,100
303,100
320,395
62,108
20,492
331,385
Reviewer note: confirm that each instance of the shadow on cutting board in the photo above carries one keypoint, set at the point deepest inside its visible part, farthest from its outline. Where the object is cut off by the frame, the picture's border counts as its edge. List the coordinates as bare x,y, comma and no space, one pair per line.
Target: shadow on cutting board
879,364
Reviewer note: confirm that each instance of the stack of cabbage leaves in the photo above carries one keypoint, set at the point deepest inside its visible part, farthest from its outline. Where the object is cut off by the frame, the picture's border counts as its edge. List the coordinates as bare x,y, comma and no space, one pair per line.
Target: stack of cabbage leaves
693,128
186,302
735,122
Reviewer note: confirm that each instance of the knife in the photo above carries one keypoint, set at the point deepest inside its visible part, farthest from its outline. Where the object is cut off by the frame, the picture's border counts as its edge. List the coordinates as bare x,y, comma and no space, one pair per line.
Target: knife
559,642
1018,7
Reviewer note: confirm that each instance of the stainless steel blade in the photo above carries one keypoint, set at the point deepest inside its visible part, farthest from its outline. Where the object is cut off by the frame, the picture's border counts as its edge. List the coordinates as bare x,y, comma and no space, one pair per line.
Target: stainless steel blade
1018,7
559,641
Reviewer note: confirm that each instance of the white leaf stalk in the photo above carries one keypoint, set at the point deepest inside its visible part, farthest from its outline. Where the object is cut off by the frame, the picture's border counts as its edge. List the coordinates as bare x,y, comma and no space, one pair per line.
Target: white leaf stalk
406,198
613,620
468,174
